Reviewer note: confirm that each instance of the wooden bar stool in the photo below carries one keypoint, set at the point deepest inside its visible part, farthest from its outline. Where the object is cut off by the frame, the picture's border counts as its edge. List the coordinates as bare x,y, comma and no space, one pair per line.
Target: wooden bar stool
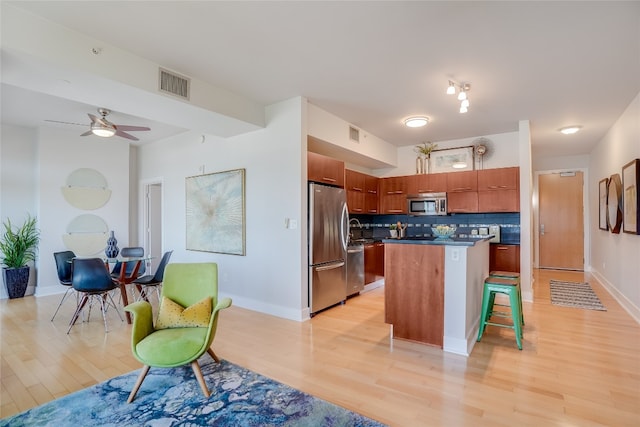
509,275
509,287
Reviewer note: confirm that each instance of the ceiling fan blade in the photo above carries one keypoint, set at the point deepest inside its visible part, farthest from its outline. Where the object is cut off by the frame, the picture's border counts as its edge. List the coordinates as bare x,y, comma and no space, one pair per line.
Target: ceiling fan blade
130,128
93,118
126,135
66,123
87,133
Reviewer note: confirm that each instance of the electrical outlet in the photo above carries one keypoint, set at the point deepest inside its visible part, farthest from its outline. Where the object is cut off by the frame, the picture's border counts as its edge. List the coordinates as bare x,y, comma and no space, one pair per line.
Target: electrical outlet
455,255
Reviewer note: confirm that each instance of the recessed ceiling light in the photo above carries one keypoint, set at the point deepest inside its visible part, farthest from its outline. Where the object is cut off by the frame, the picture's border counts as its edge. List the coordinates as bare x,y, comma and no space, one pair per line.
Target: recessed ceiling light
416,122
570,129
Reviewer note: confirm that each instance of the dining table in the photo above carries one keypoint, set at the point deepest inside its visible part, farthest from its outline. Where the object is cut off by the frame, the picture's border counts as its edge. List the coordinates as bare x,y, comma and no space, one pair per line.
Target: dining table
123,279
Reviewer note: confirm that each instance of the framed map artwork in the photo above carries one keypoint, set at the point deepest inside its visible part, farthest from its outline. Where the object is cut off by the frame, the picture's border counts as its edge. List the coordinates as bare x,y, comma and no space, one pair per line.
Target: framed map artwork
215,216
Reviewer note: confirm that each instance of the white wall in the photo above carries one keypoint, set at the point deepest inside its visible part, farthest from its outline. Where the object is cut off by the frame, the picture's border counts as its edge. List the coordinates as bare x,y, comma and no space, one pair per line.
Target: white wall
60,152
614,257
36,165
503,153
270,278
18,181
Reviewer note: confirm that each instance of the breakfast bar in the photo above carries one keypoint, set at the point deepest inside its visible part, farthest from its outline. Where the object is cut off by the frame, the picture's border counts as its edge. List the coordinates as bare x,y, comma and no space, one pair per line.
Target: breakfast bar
433,290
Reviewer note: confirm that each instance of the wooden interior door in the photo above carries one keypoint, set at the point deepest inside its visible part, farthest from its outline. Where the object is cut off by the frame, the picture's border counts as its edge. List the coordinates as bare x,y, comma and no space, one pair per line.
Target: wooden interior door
561,221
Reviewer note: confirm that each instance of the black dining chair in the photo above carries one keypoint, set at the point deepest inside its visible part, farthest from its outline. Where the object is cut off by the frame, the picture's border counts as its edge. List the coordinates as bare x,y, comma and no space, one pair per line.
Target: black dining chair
63,265
153,281
129,252
91,279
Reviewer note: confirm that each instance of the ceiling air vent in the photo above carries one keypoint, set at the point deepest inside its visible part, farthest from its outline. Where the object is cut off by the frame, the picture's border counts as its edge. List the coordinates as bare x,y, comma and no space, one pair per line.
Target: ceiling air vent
354,134
174,84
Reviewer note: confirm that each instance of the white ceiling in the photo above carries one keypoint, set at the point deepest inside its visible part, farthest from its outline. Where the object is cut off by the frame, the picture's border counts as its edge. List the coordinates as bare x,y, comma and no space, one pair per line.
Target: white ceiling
375,63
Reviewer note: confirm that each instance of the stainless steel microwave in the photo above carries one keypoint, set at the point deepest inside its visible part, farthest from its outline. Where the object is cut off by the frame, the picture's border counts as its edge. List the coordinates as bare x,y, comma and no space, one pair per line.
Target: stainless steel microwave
427,204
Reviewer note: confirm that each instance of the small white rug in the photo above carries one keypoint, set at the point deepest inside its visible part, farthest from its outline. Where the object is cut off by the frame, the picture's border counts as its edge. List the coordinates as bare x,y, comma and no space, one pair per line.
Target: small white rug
573,294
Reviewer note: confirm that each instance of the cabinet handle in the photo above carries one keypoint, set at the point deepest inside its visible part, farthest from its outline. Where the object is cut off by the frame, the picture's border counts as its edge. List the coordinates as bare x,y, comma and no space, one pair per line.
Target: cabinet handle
372,191
328,179
357,189
395,210
399,192
426,191
373,210
502,248
493,187
357,210
461,189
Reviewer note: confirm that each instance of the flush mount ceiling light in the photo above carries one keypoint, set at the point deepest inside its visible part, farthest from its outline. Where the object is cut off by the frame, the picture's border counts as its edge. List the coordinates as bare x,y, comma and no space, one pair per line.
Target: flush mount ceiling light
463,88
416,122
568,130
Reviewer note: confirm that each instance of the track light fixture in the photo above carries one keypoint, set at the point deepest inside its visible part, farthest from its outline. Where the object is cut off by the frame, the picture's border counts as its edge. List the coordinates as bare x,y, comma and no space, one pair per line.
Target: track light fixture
463,97
452,88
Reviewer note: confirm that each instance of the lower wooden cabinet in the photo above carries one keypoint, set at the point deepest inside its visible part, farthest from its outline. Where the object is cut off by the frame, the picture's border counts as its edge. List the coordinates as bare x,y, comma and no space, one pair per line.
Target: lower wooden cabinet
504,257
373,262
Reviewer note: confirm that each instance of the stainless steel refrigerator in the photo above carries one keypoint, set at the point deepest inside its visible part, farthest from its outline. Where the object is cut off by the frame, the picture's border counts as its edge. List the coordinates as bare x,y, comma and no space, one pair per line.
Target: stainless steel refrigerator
328,238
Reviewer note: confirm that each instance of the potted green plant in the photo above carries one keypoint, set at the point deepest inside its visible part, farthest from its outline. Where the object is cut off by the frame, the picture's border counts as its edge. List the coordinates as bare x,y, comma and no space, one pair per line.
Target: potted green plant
18,247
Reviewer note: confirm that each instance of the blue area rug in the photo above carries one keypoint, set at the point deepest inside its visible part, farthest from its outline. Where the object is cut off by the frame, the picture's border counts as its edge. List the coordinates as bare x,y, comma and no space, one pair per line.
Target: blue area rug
172,397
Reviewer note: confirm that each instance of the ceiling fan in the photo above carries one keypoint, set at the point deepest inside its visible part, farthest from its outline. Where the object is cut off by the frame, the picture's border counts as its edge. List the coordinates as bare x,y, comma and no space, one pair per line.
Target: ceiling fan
100,126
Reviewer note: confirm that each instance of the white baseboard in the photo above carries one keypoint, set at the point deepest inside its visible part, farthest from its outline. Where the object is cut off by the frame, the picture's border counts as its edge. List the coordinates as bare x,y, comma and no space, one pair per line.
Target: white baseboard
629,307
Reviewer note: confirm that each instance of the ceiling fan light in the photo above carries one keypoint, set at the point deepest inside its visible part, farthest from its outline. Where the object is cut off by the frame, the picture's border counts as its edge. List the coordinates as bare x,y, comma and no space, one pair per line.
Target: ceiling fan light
463,109
465,103
102,131
462,95
416,122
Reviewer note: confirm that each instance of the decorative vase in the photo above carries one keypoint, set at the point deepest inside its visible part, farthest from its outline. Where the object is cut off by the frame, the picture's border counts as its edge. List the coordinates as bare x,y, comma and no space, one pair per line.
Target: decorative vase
419,169
425,164
112,251
16,280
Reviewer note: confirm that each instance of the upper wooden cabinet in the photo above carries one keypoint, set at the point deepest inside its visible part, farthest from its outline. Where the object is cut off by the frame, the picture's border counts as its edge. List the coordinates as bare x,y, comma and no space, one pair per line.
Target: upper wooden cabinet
499,190
354,181
462,181
393,195
362,192
371,194
325,169
427,183
499,179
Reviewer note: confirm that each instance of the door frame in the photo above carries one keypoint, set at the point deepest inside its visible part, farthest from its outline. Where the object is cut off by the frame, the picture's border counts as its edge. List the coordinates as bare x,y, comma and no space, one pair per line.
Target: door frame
586,210
144,218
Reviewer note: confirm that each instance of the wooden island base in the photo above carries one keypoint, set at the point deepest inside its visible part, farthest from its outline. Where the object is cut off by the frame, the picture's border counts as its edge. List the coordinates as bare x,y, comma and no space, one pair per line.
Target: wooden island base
433,291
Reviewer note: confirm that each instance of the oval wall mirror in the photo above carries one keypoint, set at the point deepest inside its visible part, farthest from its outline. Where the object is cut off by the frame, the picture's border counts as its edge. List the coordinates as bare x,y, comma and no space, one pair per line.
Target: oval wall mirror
614,203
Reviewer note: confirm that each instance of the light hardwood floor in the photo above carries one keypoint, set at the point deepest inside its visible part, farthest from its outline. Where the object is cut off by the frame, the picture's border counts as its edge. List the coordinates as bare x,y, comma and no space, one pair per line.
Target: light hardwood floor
577,367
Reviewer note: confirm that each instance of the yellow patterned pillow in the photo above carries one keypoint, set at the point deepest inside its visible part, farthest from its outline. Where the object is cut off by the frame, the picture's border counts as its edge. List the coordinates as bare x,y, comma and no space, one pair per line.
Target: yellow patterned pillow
173,315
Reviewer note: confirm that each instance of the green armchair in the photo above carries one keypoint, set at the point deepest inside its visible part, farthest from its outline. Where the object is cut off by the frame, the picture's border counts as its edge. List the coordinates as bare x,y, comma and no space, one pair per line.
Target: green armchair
188,285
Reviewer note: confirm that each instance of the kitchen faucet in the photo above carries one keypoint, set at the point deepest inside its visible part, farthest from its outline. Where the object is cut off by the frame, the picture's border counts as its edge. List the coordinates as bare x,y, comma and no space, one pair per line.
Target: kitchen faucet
359,226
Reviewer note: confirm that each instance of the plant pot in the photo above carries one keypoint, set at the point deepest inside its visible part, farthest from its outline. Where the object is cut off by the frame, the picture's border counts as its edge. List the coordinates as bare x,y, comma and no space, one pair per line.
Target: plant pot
16,280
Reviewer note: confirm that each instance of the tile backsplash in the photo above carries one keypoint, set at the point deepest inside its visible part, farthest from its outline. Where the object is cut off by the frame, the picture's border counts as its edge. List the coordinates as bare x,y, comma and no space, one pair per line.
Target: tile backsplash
377,226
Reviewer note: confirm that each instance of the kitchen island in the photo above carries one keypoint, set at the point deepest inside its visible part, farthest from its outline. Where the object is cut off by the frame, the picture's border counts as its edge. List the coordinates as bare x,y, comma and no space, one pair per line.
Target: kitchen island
433,290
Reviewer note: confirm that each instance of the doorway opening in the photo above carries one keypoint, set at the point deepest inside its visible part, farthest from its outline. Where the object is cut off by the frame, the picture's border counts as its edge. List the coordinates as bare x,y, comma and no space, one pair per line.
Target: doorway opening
152,223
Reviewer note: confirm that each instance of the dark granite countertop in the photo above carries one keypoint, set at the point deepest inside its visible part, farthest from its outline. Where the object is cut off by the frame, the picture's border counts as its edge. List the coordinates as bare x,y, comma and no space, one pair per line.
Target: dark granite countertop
454,241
